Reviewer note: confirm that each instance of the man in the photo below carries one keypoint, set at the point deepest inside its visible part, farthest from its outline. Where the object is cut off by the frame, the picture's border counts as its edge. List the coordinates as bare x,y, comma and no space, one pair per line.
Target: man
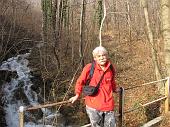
99,107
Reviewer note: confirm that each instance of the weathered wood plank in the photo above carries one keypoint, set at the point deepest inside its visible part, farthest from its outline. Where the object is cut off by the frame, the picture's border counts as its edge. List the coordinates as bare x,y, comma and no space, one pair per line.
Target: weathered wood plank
152,122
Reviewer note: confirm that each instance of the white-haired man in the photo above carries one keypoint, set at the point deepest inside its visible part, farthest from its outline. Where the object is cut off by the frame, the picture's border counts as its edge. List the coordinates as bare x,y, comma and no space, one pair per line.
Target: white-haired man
100,107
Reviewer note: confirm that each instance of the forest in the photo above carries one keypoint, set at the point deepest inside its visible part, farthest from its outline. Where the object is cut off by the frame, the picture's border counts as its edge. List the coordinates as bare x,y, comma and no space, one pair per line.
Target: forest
44,45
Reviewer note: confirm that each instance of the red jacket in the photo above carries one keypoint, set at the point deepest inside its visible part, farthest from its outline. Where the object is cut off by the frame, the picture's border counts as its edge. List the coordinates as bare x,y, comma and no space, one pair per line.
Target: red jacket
103,101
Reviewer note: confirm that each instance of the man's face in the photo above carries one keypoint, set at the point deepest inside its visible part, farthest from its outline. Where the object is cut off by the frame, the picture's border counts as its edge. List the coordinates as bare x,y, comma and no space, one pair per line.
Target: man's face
101,58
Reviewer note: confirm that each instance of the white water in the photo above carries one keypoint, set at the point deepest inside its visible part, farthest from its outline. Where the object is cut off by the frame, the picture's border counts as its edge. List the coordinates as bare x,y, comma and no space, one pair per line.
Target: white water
18,64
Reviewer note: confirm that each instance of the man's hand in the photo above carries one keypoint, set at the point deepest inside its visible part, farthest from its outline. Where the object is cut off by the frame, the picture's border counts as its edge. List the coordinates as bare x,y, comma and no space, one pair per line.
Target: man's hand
118,89
74,98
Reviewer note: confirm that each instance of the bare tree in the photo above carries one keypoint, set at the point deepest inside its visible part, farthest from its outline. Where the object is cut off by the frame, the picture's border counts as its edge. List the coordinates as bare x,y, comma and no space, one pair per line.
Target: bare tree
150,37
129,20
49,9
82,22
165,7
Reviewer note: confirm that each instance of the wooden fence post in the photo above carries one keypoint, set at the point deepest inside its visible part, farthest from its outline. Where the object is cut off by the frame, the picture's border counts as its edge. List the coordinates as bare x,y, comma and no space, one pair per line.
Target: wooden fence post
21,116
121,105
167,95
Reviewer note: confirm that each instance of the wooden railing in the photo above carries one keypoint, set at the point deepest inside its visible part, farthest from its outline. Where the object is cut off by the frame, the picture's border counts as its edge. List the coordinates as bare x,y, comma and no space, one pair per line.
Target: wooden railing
24,109
166,98
121,111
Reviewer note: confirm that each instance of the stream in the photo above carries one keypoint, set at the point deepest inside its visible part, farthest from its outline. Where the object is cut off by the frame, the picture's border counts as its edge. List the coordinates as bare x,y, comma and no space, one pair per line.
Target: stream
18,93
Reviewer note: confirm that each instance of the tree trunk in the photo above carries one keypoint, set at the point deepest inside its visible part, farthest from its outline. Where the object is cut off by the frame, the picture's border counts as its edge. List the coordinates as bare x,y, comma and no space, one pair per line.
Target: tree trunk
150,37
82,22
165,12
155,64
129,20
54,13
154,55
100,12
49,9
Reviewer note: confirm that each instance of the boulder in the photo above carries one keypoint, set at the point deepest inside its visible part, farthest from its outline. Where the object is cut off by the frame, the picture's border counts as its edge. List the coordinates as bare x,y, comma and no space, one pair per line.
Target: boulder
6,76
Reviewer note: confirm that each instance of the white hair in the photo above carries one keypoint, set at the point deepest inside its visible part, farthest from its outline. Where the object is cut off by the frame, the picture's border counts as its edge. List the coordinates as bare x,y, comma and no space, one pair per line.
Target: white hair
99,49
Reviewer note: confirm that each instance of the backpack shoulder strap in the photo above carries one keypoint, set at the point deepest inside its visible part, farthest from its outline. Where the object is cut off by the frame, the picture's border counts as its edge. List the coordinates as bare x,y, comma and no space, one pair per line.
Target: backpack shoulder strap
91,73
112,69
92,69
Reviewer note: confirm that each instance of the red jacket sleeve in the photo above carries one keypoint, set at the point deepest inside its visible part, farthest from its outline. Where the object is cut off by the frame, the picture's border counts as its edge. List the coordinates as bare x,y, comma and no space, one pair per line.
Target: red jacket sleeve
82,79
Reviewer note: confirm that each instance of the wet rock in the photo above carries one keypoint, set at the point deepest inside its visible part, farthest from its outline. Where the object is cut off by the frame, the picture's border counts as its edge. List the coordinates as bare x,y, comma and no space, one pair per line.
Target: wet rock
2,114
20,95
33,116
6,76
39,83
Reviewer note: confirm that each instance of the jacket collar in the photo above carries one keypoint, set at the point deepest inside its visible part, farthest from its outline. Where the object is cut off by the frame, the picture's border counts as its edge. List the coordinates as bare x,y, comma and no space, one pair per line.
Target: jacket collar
107,65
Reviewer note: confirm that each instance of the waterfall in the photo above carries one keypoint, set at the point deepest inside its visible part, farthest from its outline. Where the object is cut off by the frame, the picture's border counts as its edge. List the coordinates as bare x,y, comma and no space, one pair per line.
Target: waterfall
16,87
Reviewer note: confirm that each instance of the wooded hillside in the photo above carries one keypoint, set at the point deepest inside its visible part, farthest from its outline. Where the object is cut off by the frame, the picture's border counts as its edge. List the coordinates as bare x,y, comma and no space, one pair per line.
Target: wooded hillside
61,34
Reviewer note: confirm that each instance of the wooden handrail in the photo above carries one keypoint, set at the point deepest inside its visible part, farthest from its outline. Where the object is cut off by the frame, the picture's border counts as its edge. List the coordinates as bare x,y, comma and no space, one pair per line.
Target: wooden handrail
121,112
144,105
46,105
149,83
151,102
